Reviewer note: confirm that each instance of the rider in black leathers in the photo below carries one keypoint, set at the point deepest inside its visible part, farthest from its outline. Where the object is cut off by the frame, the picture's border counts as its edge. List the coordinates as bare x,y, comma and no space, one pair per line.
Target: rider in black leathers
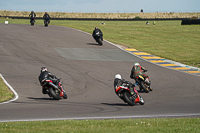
46,17
119,81
33,15
47,75
95,31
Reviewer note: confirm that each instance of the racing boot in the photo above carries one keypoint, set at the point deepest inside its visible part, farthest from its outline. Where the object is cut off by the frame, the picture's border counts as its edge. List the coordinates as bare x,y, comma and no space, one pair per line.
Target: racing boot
131,89
44,91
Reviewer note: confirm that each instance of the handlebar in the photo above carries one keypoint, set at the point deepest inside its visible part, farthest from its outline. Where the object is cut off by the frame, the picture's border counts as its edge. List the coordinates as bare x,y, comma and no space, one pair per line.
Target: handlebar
144,70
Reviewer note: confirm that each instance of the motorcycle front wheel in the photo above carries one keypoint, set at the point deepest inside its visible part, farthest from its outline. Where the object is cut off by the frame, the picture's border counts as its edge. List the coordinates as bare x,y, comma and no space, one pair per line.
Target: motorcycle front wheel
129,99
65,96
141,100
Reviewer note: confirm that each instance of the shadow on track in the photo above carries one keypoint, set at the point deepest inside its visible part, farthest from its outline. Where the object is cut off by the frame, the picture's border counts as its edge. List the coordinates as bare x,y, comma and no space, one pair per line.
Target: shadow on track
40,98
115,104
94,44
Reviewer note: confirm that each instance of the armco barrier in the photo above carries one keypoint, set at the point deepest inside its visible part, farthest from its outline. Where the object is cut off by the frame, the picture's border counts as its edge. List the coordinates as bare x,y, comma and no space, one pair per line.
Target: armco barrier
185,21
190,21
99,19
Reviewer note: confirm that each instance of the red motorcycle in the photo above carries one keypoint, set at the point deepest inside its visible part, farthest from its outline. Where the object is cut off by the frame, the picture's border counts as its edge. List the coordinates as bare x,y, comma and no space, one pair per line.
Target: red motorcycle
53,90
122,89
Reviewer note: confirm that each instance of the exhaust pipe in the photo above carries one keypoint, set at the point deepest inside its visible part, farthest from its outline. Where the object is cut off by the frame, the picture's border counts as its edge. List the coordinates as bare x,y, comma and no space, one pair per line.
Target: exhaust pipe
53,85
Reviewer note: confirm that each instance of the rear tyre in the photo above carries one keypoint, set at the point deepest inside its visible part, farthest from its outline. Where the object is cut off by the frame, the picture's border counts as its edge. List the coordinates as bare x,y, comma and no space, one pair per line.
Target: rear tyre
100,41
54,94
129,99
32,23
144,87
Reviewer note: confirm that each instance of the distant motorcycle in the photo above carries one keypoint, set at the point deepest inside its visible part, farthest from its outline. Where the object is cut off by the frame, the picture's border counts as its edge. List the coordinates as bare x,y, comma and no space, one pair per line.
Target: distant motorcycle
122,90
46,22
32,20
143,83
55,91
98,38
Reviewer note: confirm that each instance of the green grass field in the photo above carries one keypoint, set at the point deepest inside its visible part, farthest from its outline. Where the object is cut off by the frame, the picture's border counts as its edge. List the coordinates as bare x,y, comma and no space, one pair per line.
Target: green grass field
180,125
167,39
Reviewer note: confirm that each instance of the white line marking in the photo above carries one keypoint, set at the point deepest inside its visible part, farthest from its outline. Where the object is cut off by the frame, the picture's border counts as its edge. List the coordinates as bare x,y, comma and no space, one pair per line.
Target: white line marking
10,87
111,117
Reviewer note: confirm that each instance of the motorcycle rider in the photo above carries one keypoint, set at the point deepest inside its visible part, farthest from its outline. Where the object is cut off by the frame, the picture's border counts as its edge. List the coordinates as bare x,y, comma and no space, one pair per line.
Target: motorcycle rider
96,30
33,15
45,74
138,70
46,17
119,81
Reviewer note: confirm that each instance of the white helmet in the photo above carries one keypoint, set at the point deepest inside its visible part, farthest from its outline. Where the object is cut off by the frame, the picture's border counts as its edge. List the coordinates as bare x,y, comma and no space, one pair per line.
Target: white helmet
43,69
136,64
118,76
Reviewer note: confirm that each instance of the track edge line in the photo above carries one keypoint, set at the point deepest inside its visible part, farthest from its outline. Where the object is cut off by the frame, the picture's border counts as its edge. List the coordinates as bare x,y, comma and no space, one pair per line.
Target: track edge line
11,88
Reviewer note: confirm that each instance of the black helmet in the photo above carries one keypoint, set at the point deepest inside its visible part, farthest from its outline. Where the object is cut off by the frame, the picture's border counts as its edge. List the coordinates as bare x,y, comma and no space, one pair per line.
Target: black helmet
43,69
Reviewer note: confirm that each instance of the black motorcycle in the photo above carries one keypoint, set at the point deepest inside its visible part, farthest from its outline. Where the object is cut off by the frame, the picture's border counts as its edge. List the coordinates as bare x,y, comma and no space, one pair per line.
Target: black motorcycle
32,21
122,89
143,83
53,90
98,38
46,22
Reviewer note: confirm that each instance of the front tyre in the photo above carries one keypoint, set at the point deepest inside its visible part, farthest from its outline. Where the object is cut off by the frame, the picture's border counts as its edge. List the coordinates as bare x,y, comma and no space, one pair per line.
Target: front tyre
65,96
54,94
141,100
129,99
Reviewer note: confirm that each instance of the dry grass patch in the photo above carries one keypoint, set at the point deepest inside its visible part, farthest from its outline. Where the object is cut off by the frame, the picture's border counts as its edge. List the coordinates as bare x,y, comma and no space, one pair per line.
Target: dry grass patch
103,15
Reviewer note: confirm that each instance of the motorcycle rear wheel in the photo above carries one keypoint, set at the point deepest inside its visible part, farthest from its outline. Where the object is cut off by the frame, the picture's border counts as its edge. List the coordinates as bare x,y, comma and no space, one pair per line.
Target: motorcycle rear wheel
99,41
128,98
144,87
53,94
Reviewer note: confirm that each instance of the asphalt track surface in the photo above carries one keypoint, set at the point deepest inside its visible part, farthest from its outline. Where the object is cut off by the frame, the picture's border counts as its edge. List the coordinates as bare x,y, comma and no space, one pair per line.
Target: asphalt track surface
87,71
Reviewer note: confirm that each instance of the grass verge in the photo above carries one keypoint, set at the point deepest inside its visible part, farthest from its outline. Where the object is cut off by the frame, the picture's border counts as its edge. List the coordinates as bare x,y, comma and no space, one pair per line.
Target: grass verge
179,125
104,15
5,93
